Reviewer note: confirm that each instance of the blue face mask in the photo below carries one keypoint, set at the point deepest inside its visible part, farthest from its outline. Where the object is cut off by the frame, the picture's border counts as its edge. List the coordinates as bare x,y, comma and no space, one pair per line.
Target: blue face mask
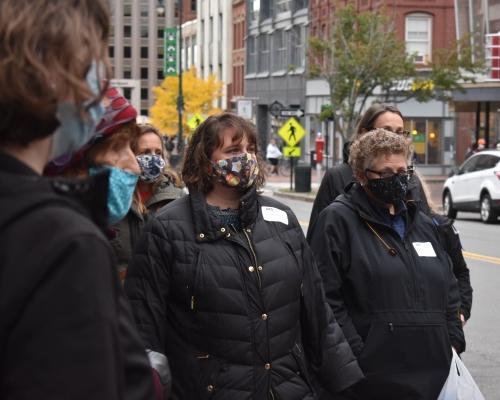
121,189
73,132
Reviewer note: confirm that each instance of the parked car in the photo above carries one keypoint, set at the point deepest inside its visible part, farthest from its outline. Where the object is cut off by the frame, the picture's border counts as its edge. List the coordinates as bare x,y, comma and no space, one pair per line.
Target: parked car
475,187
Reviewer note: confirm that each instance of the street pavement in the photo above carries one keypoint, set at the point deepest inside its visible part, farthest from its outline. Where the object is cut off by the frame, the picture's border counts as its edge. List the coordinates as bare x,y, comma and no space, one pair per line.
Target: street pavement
482,253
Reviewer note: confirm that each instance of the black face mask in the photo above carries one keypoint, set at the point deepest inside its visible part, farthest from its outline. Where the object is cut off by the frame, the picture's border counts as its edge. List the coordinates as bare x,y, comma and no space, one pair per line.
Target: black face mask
388,190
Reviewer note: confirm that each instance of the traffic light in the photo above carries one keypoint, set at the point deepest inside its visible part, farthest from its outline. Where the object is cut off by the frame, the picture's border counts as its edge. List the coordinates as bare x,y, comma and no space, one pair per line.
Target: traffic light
171,54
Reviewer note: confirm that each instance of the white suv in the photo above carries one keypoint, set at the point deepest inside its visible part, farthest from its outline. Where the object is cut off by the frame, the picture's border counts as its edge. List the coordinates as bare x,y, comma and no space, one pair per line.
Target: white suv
475,187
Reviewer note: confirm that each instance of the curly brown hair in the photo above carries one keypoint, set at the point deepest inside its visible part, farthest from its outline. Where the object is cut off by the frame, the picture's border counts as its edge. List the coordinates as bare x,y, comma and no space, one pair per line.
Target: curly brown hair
46,50
373,144
196,166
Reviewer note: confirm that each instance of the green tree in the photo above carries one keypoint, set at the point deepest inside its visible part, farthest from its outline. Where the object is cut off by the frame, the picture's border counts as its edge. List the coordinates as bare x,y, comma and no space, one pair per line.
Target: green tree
361,56
199,97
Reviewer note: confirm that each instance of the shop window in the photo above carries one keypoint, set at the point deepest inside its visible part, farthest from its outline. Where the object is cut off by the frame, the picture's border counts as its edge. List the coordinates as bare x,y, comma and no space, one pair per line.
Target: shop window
418,37
427,137
434,138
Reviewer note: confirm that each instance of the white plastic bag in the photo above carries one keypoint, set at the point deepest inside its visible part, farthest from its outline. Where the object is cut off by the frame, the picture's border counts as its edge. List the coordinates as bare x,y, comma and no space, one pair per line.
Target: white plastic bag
459,385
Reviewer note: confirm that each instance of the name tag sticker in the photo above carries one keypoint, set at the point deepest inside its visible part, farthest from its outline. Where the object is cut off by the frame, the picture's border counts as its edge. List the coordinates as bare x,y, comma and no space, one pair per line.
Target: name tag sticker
274,215
424,249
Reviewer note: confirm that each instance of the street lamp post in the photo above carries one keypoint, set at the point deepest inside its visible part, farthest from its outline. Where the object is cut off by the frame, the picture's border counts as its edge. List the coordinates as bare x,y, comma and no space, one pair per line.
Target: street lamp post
180,98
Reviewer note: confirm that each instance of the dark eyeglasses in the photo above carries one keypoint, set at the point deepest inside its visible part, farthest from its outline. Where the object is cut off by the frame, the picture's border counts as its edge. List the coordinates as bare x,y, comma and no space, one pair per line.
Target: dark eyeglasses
388,175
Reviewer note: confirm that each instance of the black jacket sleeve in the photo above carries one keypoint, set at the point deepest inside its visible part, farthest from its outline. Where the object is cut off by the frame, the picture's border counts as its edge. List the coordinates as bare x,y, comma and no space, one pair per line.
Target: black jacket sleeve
453,247
327,350
147,286
326,243
453,321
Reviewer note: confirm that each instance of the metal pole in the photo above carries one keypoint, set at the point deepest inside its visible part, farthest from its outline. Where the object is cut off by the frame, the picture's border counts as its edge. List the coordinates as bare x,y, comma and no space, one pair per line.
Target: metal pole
471,23
291,173
180,98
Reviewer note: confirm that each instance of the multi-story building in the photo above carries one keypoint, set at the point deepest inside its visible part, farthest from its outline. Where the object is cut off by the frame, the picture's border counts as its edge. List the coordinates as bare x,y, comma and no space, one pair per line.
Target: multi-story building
189,49
236,90
425,26
478,109
214,36
136,45
275,59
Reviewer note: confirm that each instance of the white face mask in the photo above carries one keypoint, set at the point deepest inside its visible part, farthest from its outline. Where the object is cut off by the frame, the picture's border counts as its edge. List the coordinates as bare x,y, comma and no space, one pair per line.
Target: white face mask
73,132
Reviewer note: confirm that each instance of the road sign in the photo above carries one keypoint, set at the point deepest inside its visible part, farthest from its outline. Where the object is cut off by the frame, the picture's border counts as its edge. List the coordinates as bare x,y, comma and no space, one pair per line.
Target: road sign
291,151
195,120
275,108
291,112
292,132
244,108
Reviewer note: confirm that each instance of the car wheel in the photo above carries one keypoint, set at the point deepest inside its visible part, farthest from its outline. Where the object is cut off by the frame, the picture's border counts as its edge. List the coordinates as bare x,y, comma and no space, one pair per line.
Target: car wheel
448,209
488,215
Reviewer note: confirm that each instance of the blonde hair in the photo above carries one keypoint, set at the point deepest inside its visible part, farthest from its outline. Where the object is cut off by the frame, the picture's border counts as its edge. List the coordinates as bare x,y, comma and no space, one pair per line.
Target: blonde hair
46,50
364,151
433,207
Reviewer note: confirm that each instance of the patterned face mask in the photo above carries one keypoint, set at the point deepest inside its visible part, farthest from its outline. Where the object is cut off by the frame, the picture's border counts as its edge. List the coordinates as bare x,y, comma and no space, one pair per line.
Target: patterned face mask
151,167
121,188
388,190
238,172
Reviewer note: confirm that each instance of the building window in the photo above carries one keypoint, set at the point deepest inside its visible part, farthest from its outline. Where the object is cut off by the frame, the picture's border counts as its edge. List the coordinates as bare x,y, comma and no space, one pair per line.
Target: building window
176,12
418,37
193,5
127,31
279,50
251,54
264,50
111,31
144,52
189,60
144,73
127,73
144,93
160,74
127,10
111,51
161,33
144,112
144,31
161,53
195,50
127,93
298,49
427,139
283,6
255,9
127,52
144,10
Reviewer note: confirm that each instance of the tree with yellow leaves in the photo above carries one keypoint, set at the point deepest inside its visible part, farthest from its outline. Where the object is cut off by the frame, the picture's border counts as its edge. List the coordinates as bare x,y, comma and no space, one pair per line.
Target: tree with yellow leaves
199,97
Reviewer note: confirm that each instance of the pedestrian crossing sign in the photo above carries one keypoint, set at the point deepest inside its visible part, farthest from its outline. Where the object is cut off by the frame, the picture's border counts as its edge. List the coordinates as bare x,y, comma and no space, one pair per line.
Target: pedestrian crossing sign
194,121
292,132
291,151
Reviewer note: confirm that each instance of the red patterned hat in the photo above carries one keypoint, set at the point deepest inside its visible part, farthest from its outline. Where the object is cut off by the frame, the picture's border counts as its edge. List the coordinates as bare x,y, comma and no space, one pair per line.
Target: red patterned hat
118,112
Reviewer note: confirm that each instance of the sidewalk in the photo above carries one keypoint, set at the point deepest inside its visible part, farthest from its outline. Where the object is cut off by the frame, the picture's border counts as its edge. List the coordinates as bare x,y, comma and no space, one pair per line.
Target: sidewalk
280,186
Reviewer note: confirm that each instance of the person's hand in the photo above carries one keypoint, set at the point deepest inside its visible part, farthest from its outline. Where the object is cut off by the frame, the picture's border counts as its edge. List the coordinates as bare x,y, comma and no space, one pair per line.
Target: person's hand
463,320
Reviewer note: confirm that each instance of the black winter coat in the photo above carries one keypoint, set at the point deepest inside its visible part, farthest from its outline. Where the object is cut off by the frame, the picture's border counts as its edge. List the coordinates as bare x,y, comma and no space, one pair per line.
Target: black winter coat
398,312
237,313
66,330
337,178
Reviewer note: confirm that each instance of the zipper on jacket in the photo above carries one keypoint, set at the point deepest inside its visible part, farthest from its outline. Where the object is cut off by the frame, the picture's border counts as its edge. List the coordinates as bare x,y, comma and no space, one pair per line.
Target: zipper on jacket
414,270
234,229
298,348
194,277
254,258
392,326
207,356
272,394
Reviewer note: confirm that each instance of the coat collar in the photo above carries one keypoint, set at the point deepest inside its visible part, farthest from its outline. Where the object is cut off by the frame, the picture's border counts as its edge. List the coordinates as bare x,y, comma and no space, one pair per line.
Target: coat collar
209,228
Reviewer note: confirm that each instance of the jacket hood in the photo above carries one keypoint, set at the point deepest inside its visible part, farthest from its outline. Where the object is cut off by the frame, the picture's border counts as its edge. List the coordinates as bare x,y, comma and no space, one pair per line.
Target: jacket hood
165,190
21,194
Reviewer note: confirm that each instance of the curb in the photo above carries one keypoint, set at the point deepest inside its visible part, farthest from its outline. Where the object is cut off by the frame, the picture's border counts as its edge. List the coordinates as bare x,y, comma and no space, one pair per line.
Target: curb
295,196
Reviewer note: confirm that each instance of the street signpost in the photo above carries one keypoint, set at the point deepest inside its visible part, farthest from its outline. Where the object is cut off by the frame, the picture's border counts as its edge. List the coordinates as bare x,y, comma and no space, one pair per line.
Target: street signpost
275,108
195,120
291,151
170,53
292,112
291,132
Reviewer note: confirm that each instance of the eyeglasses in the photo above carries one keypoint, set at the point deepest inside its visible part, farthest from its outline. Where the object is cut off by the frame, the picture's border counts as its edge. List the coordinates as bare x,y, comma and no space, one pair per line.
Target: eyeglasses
405,134
388,175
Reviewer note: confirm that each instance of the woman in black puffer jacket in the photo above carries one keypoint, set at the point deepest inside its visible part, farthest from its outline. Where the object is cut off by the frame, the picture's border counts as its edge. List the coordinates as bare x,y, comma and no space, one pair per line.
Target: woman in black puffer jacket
224,284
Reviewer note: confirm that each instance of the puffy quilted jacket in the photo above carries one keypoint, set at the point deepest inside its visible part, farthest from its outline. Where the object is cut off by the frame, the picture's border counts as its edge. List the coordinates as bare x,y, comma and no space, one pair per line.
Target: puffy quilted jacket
238,314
